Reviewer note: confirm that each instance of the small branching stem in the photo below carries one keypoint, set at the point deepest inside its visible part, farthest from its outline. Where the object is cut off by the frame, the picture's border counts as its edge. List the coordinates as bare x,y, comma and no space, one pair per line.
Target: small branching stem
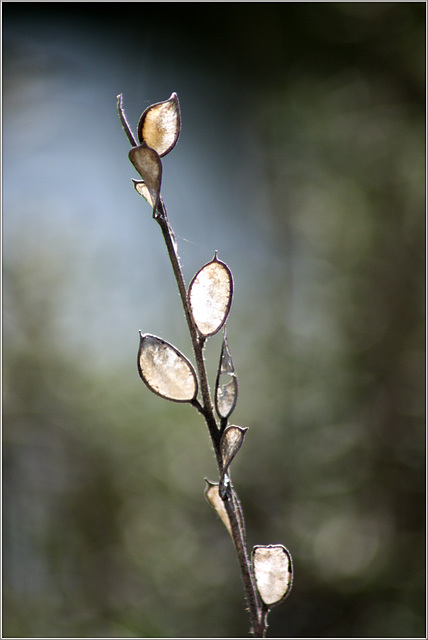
258,612
232,503
234,511
198,345
124,122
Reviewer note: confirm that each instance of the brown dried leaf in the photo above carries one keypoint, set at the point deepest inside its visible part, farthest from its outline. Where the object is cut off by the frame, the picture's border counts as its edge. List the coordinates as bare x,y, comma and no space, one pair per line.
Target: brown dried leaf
210,296
165,370
160,124
273,571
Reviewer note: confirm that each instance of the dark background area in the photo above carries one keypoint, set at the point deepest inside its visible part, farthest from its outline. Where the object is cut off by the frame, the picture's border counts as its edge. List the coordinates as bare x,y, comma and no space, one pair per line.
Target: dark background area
302,161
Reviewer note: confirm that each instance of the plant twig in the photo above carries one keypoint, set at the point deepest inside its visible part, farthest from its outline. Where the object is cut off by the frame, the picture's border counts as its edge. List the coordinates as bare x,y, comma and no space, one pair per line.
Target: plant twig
208,411
124,121
158,131
232,504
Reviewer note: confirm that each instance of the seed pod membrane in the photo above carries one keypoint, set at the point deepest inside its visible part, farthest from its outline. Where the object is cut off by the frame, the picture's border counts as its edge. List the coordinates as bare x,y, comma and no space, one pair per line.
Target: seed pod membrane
230,443
226,386
210,296
160,124
165,370
149,166
273,571
142,189
213,497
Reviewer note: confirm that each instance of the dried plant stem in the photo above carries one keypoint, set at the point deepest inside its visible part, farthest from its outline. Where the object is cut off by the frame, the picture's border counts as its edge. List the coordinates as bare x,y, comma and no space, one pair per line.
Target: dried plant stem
234,511
232,503
124,122
268,575
198,344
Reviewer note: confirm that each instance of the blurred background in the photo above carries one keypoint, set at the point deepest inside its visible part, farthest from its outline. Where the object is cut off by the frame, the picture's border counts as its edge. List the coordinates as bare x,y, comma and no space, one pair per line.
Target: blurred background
302,161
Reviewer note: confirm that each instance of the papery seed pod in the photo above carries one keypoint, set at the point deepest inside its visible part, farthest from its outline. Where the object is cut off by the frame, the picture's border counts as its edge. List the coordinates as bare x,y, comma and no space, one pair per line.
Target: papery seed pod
230,443
273,571
143,190
160,124
213,497
226,385
149,166
165,370
210,296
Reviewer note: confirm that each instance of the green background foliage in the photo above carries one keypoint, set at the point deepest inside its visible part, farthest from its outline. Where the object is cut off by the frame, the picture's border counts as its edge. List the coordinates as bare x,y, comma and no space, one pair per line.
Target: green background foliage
302,161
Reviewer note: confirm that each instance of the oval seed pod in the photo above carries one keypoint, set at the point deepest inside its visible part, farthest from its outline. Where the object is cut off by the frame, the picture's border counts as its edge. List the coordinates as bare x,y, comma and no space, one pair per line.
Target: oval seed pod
210,296
160,124
149,166
165,370
273,571
226,384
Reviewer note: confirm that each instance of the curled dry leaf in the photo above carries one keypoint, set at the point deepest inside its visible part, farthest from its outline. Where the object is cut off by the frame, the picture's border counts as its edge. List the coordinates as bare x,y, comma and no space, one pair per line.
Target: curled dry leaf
149,166
165,370
210,296
226,393
159,125
273,571
213,497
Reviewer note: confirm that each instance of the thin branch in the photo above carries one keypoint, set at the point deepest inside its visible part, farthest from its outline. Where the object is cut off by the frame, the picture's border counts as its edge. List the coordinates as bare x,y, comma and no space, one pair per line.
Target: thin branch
232,504
124,121
239,539
198,345
258,613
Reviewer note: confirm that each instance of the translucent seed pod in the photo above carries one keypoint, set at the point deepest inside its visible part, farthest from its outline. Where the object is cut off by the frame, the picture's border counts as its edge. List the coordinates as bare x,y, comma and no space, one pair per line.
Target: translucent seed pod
159,125
213,497
165,370
273,571
230,443
149,166
143,190
210,296
226,385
